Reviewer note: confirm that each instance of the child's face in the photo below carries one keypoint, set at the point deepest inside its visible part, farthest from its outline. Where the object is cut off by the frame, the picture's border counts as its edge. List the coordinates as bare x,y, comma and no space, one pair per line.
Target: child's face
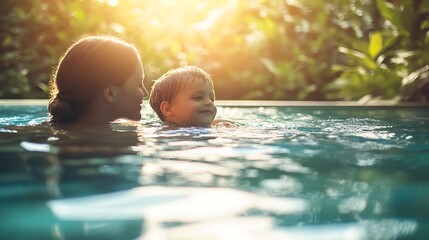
194,105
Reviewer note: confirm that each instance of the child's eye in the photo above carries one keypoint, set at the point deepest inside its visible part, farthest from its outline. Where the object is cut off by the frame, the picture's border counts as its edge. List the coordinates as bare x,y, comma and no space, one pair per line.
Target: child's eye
197,98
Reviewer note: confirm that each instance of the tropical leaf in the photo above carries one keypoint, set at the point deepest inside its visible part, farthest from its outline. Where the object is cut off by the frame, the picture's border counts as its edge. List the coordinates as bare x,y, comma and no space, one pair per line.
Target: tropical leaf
375,44
362,58
391,14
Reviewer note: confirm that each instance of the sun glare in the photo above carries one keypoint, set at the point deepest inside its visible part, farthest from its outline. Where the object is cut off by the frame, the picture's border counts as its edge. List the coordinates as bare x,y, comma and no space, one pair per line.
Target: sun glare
111,3
171,13
186,27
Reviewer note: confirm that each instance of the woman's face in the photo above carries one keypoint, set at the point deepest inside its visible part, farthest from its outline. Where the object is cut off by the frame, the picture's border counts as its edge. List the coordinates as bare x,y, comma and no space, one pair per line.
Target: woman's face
129,97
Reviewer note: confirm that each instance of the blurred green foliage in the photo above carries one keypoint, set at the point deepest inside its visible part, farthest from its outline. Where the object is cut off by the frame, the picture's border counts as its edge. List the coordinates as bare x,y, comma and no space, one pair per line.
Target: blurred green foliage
393,61
257,49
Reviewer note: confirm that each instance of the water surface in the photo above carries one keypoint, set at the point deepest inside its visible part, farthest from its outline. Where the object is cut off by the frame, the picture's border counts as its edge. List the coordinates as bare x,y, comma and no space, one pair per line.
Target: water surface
282,172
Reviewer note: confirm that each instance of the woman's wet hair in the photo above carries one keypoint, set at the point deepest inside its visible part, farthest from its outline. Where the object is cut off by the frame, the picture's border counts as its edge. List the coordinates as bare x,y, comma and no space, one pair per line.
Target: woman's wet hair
88,66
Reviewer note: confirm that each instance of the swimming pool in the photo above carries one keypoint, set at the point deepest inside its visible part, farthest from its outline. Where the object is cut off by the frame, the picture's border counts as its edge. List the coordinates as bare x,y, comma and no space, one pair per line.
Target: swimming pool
286,172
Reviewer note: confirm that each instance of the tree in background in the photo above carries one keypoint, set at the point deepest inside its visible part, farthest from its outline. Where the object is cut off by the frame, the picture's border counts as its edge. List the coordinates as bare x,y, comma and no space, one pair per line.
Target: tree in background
258,49
392,59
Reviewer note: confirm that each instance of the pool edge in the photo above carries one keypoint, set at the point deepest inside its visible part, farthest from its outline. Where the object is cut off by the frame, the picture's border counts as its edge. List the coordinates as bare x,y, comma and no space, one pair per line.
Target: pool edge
259,103
267,103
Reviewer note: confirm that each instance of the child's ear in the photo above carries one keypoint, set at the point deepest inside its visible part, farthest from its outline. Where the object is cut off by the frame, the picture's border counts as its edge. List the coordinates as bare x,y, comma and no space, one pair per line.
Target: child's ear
166,109
109,94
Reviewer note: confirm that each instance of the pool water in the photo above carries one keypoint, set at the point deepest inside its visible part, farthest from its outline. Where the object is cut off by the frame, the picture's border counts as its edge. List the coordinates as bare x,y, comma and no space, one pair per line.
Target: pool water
280,173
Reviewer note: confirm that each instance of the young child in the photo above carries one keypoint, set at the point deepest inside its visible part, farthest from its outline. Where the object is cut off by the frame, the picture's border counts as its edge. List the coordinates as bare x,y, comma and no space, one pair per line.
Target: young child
184,97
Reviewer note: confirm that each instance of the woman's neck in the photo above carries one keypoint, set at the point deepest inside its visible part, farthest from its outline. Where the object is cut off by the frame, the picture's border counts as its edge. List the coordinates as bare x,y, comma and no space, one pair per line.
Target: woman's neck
97,112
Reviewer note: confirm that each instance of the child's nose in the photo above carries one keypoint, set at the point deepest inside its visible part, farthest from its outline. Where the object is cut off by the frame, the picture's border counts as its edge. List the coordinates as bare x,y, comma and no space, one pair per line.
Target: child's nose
209,102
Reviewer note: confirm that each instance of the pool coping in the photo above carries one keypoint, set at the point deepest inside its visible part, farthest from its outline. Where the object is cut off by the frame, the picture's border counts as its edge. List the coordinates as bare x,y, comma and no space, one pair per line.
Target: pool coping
259,103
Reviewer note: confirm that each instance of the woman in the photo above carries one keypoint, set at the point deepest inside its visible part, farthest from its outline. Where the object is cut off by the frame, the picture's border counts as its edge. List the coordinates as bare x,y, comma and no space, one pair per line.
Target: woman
98,80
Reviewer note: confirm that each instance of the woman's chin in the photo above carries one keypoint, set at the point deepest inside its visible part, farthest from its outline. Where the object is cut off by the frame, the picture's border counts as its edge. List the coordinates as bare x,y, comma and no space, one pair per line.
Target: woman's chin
136,117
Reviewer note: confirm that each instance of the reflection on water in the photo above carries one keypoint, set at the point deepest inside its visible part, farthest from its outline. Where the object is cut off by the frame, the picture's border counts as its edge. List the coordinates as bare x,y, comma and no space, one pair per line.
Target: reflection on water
282,173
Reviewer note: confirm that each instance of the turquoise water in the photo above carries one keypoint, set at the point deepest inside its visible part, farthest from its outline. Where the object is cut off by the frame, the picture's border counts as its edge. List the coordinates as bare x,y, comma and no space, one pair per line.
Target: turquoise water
281,173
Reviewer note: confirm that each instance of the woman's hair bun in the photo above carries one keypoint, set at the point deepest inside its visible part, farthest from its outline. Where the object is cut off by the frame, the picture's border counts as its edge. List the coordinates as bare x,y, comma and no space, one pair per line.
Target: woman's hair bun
60,110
